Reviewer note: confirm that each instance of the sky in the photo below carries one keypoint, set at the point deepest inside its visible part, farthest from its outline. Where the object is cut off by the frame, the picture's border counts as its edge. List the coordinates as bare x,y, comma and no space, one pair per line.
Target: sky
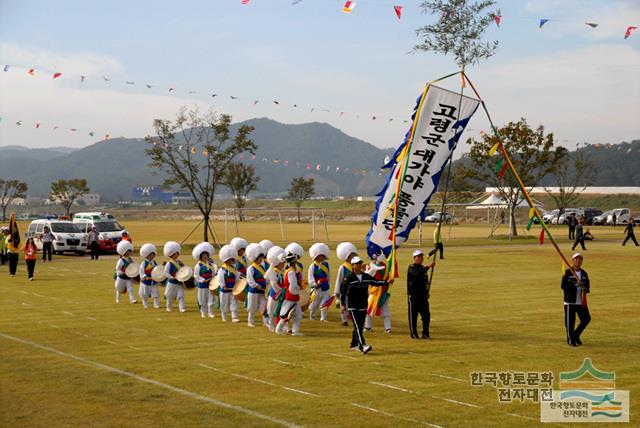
581,83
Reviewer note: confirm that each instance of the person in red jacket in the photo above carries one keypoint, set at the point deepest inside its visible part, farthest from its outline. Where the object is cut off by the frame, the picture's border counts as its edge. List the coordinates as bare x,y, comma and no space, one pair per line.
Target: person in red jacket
30,255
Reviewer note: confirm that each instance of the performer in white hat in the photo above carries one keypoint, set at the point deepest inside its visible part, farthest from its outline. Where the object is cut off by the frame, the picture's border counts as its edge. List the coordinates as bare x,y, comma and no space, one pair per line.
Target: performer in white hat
345,252
148,286
319,276
297,250
124,284
174,288
276,259
203,273
290,308
257,281
240,246
378,303
228,276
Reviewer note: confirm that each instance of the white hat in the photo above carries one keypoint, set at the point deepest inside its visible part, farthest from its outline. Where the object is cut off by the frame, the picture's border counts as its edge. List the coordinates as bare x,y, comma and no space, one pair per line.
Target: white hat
228,252
296,249
254,251
170,248
275,255
356,260
209,249
123,247
238,243
203,247
576,255
147,249
125,232
417,253
344,249
266,244
319,249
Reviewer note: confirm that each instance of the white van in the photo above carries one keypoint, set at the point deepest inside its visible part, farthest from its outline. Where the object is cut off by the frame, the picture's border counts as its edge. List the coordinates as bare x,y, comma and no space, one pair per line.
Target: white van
109,230
623,216
67,236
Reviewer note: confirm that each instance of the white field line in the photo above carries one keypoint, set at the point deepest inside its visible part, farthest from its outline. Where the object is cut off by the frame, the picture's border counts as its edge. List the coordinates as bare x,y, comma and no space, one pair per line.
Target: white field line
390,386
241,376
54,326
462,403
22,291
27,304
457,379
342,356
154,382
67,313
39,295
91,318
382,412
287,363
111,342
521,416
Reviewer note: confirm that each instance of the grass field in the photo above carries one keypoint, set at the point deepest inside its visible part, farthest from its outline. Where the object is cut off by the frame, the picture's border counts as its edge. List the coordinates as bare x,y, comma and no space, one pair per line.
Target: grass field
72,357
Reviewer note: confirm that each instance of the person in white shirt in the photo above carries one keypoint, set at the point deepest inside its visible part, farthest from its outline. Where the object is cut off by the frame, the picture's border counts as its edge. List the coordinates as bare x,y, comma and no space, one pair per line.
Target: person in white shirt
290,307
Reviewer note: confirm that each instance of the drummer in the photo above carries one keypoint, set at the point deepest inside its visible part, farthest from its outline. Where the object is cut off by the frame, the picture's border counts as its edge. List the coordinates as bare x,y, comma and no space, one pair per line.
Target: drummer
275,257
290,307
203,273
227,277
174,287
319,276
266,246
257,282
297,250
345,252
148,286
123,283
240,246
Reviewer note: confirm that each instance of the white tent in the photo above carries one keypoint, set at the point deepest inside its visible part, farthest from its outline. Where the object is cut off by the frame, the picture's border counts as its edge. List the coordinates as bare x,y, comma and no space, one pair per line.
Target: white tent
495,202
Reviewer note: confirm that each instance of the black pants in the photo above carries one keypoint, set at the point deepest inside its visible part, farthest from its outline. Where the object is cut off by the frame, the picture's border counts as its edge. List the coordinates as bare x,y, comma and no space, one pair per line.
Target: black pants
31,267
439,247
3,256
95,250
570,312
420,307
579,240
630,237
358,316
47,250
572,232
13,262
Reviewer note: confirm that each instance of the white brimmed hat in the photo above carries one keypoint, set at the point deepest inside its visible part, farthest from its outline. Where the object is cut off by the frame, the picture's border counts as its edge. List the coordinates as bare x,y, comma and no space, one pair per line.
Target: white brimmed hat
203,247
576,255
356,260
123,247
275,255
417,253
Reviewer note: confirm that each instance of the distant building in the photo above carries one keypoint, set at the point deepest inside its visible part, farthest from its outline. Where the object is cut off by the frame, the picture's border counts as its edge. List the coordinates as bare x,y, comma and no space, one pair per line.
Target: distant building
89,199
146,195
589,190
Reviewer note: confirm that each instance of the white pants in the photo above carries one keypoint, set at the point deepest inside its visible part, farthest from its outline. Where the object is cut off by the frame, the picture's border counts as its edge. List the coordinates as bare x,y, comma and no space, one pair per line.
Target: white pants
271,307
206,300
256,303
318,299
147,291
123,285
386,317
172,292
227,301
289,310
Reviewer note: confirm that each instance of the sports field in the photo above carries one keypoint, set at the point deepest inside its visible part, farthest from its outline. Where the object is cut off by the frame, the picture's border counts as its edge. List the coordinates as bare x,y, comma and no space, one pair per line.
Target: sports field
71,356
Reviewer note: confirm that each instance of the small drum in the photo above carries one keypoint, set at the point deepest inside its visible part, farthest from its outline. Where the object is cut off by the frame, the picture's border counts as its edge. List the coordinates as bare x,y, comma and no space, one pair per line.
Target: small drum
185,276
239,290
157,274
189,284
214,284
133,270
305,300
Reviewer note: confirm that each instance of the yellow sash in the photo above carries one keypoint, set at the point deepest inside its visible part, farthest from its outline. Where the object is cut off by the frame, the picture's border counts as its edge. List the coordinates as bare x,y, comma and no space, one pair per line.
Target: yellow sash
322,267
259,269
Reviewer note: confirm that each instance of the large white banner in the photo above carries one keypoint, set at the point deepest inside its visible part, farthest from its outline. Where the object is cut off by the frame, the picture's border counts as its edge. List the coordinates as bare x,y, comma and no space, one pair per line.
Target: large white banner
421,161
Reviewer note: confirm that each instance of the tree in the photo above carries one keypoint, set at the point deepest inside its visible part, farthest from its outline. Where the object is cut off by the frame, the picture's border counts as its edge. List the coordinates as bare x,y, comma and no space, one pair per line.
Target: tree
459,30
530,150
66,192
194,151
241,180
301,190
574,173
10,190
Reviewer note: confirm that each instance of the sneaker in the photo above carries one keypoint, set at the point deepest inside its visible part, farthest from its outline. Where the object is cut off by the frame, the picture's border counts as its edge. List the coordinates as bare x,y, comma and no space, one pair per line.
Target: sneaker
344,323
366,349
168,309
182,311
156,306
30,279
297,334
235,320
133,302
387,330
250,324
426,337
224,319
369,329
578,342
212,316
354,348
202,315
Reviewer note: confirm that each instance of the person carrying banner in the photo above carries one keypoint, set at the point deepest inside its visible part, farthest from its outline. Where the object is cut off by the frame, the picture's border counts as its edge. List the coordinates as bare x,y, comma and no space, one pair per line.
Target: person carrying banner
418,295
257,282
378,303
13,245
319,275
174,289
227,277
4,232
148,286
345,252
575,299
123,283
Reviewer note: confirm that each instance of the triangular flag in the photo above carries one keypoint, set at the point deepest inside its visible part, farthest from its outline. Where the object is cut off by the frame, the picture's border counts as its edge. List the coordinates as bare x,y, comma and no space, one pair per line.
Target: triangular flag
542,22
493,149
348,6
530,223
398,10
244,1
318,167
170,89
532,212
498,19
56,75
592,24
499,165
37,125
627,33
31,71
193,150
503,168
541,238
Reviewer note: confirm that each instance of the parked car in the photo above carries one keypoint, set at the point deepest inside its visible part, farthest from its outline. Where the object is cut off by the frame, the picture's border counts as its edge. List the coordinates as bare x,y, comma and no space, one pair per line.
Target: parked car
623,215
548,216
110,231
590,213
602,218
563,217
67,236
435,217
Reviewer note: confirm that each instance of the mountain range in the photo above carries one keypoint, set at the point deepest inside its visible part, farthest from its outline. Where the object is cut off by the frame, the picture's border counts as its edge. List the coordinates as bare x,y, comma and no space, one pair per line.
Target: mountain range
112,168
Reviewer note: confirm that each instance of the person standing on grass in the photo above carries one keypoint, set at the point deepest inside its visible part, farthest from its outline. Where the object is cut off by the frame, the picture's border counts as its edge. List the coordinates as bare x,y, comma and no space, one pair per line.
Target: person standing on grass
418,295
94,247
437,242
575,300
571,223
47,244
290,309
628,230
579,236
13,253
30,254
123,283
3,244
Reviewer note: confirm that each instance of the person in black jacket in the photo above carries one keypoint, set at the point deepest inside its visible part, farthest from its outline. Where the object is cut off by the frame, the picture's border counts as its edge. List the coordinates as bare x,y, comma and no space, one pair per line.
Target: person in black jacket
575,300
354,295
571,222
579,236
418,294
630,234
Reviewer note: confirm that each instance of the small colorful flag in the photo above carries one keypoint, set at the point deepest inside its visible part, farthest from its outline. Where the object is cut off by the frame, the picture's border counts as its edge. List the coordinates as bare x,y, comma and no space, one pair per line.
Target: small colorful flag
398,10
6,68
32,72
148,86
542,22
498,19
56,75
541,238
592,24
170,89
37,125
627,33
276,102
348,6
318,167
244,1
82,79
493,149
91,134
193,150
